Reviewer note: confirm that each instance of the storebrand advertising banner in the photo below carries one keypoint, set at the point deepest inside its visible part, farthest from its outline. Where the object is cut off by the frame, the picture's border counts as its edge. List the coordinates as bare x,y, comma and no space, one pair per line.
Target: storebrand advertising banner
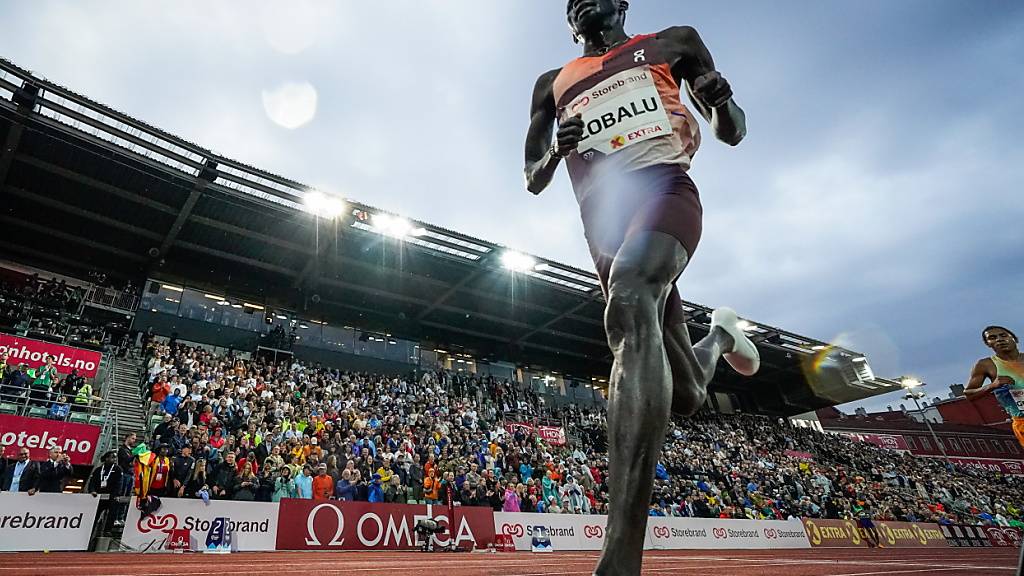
46,521
567,531
39,435
253,524
708,533
582,532
847,534
336,525
35,352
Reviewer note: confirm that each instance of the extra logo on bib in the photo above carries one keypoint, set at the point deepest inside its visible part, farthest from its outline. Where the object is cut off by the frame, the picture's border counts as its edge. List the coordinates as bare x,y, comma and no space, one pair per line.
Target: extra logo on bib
1018,397
619,112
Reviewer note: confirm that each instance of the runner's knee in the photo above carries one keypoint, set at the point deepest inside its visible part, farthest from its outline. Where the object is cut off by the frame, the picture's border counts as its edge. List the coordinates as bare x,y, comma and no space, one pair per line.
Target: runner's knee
634,305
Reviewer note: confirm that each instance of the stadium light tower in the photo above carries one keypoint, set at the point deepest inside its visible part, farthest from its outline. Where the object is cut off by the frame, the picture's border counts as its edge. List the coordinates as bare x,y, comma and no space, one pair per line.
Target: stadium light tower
912,385
324,206
517,262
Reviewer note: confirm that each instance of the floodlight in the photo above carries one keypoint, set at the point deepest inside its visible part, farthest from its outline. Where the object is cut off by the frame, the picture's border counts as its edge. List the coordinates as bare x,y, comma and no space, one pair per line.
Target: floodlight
323,205
517,262
910,382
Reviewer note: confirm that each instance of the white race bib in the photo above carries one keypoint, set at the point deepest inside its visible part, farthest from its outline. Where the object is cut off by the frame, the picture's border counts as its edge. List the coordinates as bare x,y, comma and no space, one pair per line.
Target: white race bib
1018,397
620,111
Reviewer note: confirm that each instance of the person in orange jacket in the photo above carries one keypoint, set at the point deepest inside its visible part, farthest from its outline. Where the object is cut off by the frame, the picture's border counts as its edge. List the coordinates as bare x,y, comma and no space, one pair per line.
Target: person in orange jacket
323,484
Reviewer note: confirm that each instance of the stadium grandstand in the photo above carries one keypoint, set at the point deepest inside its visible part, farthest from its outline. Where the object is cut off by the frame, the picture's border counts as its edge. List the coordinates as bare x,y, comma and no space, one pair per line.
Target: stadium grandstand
242,337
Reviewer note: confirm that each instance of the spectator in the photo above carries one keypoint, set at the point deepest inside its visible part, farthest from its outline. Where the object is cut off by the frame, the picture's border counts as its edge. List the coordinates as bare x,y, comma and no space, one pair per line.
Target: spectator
198,481
224,479
60,409
345,489
42,384
304,483
182,470
375,493
171,402
512,499
20,476
284,485
53,473
246,484
323,484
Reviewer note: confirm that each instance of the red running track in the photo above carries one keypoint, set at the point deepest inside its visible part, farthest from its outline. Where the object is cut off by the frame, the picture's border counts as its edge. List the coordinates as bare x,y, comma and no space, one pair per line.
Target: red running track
839,562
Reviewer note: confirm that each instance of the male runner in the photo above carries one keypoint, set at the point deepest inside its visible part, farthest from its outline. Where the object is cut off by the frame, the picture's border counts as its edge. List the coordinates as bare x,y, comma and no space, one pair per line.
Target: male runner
1005,369
627,140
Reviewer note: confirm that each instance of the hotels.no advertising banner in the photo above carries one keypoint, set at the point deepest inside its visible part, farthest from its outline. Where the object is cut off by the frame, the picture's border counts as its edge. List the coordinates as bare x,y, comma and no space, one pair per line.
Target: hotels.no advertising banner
579,532
847,534
46,521
336,525
65,358
39,435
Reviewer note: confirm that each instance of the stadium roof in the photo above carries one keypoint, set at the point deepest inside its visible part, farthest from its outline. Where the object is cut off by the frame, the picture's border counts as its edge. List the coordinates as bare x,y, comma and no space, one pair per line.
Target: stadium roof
85,187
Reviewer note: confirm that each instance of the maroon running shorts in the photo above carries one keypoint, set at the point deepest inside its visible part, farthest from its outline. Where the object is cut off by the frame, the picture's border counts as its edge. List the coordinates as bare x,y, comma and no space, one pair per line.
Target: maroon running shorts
659,198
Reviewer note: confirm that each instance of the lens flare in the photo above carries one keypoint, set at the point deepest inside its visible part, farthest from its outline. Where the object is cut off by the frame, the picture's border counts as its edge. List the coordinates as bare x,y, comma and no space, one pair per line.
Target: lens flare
290,105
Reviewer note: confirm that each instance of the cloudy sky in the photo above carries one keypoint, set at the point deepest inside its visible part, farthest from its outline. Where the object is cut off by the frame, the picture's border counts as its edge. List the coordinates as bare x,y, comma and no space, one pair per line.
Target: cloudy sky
876,202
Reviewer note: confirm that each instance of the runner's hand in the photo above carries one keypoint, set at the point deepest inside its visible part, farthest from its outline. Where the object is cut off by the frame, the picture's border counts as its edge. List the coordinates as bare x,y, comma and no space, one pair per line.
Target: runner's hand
712,89
568,136
1002,381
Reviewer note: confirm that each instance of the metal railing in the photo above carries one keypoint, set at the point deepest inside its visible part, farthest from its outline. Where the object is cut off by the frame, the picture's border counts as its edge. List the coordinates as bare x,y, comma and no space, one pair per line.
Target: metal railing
39,402
120,300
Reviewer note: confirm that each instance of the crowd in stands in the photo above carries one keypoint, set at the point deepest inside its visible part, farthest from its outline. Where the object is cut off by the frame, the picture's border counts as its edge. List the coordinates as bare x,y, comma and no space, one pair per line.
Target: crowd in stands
257,430
47,309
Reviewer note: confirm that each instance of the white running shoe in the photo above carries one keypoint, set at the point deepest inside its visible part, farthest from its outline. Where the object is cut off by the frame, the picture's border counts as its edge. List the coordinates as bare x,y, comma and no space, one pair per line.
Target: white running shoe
743,357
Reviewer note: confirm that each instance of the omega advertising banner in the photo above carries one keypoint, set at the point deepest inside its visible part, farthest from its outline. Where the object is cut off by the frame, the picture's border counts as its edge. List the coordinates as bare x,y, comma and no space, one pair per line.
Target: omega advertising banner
46,521
338,525
253,524
39,435
847,534
65,358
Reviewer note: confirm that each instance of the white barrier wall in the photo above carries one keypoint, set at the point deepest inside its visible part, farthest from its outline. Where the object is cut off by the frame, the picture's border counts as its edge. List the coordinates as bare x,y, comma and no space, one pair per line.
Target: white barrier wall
254,524
46,521
578,532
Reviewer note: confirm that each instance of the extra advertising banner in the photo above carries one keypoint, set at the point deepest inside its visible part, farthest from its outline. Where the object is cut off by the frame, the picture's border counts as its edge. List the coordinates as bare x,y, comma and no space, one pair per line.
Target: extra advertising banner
253,524
708,533
847,534
39,435
65,358
554,435
336,525
46,521
582,532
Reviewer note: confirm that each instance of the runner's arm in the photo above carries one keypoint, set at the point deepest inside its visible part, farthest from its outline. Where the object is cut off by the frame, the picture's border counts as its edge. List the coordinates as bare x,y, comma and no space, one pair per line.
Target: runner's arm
541,162
693,66
975,386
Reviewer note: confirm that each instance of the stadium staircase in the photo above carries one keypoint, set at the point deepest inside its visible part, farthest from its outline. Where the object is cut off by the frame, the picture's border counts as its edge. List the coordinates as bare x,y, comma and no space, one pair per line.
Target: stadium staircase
126,398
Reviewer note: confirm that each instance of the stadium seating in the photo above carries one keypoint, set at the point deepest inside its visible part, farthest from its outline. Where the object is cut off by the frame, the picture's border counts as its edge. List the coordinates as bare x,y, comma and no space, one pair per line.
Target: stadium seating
439,435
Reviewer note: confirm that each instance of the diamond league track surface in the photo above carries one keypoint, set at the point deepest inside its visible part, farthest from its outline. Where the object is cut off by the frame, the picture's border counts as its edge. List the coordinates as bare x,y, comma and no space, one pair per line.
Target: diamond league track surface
837,562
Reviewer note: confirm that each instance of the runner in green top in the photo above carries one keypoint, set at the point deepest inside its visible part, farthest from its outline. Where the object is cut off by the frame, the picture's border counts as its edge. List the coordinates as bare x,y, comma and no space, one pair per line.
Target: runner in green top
1005,370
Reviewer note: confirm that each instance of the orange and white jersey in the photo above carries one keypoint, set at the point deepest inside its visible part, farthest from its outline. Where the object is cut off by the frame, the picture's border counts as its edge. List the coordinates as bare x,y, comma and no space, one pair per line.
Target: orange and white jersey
632,113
